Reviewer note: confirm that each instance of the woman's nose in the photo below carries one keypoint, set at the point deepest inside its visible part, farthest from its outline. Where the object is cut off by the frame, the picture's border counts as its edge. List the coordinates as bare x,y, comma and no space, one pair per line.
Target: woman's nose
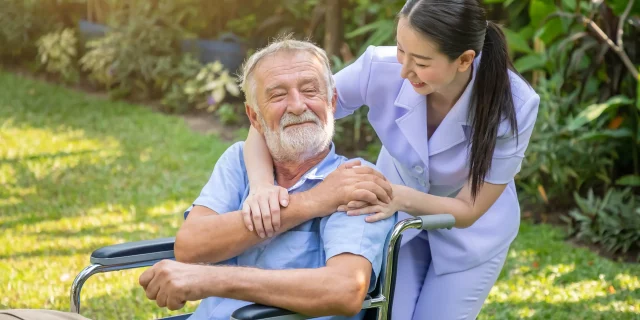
406,69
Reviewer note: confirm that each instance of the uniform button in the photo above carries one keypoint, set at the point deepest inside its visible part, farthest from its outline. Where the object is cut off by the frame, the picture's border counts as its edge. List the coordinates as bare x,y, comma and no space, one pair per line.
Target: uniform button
422,183
418,169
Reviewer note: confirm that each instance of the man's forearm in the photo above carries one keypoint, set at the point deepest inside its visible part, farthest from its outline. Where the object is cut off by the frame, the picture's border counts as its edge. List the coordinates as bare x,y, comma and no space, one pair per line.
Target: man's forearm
312,292
218,237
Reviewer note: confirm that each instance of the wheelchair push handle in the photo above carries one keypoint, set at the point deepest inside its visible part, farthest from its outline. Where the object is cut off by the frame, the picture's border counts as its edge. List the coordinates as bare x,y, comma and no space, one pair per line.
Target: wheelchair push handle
437,221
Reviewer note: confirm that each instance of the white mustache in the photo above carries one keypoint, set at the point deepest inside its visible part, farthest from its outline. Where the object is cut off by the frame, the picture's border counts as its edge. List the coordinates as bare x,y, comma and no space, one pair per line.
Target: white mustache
290,119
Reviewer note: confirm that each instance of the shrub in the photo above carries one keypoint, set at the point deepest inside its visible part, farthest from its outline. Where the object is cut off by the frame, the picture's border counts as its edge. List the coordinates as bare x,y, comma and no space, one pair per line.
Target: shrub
57,52
612,221
139,52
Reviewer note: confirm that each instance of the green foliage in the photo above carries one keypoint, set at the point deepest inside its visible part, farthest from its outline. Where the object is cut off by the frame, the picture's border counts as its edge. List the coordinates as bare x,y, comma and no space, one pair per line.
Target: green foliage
230,114
79,172
210,86
21,24
139,52
612,221
57,51
203,88
557,163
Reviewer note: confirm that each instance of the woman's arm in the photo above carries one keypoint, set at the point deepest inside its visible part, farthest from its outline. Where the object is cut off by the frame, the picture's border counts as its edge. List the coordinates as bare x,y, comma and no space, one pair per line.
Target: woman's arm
262,207
462,207
417,203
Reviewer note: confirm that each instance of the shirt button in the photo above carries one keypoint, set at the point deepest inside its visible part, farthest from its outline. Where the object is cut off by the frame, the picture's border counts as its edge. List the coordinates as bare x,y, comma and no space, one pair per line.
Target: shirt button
418,169
423,183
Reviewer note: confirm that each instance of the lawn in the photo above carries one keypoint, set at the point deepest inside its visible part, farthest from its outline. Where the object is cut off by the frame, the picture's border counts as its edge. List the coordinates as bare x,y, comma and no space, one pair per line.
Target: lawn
78,172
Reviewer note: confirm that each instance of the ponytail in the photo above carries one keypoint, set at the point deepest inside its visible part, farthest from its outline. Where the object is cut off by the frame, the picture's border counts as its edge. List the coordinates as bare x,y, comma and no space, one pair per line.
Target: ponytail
461,25
492,103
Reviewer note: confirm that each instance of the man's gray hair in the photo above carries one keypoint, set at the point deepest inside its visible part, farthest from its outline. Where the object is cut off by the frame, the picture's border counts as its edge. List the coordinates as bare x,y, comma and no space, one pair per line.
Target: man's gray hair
284,44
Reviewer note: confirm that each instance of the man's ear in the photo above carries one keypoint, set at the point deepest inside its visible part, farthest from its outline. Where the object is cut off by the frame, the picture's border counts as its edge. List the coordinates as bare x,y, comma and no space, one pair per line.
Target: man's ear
334,100
466,60
253,118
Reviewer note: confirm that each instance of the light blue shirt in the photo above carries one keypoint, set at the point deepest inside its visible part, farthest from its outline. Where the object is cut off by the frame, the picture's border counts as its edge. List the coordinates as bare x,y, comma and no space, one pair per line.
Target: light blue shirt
308,245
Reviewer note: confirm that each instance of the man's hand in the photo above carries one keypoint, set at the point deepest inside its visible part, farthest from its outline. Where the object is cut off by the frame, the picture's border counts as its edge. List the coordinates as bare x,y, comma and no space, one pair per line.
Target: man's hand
353,182
171,284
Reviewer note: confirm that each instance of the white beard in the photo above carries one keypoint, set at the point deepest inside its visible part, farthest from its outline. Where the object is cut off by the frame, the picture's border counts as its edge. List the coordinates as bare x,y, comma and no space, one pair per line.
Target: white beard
299,143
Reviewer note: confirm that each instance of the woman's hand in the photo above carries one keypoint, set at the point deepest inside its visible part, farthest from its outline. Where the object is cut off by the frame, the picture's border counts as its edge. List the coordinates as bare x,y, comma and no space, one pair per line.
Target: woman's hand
353,182
261,209
378,211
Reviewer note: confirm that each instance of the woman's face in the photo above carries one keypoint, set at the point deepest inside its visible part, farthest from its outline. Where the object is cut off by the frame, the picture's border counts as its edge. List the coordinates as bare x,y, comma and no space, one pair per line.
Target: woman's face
423,64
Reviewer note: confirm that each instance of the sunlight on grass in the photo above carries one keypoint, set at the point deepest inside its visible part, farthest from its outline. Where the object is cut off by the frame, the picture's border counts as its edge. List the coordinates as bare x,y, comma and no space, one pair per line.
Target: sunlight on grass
78,173
545,278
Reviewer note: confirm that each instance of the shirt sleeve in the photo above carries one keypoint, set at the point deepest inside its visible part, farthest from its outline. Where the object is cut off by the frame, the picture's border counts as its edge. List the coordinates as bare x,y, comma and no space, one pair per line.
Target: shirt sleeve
352,234
510,149
227,185
351,84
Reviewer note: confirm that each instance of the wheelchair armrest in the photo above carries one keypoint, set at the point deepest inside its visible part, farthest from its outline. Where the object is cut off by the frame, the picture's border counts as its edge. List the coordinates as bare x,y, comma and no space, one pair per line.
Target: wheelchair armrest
262,312
437,221
134,252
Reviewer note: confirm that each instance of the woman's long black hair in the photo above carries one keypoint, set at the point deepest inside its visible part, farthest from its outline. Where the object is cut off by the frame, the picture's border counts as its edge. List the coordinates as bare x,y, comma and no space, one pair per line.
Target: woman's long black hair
457,26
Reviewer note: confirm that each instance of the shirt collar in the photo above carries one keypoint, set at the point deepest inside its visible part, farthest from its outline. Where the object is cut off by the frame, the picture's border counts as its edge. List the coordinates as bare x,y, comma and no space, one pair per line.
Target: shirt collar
320,171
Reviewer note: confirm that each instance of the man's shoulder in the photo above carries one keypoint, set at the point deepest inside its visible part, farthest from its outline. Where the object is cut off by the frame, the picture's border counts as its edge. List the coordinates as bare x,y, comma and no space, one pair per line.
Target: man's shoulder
234,155
363,162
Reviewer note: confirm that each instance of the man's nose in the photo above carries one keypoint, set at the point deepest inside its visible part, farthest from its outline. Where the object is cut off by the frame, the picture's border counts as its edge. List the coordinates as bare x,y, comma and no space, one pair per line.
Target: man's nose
296,104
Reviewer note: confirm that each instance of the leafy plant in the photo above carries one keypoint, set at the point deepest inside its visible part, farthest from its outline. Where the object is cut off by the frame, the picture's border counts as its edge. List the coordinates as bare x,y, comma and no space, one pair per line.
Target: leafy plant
57,51
210,86
139,52
229,113
612,221
175,99
22,23
559,160
578,56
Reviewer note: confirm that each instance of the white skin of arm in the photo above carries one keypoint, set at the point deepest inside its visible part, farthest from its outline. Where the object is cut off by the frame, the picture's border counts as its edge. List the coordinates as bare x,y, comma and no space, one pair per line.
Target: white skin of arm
417,203
338,288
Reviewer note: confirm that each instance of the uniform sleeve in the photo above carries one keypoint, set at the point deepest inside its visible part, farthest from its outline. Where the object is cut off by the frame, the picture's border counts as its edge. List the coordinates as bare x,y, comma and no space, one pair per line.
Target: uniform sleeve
509,151
351,84
226,187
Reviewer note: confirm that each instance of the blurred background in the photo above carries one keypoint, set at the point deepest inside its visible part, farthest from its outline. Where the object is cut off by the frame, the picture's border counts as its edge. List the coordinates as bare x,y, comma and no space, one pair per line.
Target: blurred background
113,113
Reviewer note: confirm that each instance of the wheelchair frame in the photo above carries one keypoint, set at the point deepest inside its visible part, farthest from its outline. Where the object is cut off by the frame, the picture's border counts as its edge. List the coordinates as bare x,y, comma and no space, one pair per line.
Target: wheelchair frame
148,252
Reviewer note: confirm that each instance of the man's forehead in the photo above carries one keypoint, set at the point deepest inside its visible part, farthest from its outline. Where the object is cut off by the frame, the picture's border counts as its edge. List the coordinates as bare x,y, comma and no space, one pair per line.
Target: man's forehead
288,63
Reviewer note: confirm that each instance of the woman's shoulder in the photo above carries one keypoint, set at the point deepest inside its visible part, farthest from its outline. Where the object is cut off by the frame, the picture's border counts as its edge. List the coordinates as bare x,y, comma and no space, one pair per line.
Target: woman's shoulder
522,92
384,54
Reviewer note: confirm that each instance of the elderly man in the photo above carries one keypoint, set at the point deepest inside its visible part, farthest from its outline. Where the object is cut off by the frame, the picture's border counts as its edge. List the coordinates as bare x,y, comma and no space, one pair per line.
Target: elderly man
315,265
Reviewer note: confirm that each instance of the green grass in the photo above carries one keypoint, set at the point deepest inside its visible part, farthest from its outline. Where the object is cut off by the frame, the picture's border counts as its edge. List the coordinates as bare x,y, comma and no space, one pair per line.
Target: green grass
78,172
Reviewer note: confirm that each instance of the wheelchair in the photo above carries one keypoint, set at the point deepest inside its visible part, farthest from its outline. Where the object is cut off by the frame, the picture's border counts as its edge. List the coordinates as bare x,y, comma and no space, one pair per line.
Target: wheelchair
378,303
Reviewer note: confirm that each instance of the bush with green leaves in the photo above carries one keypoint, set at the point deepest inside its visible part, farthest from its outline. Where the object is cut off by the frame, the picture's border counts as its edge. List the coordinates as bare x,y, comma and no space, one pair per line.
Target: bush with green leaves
560,161
201,87
612,221
57,52
140,51
21,24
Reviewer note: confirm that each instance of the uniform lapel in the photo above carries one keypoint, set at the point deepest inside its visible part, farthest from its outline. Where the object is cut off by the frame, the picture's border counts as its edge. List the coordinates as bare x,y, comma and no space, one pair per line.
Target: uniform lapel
413,124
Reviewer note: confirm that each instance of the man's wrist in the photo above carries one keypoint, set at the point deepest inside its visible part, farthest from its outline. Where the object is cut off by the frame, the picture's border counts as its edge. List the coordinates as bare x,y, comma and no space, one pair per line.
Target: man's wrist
316,203
210,283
